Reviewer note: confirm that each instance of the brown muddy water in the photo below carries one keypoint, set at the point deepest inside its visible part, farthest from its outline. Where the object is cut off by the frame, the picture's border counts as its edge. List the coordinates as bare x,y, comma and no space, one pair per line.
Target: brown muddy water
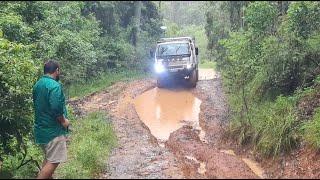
165,111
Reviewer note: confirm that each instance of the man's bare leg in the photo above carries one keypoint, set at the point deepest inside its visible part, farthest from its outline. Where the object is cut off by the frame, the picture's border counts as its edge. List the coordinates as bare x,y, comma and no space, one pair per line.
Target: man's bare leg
47,170
44,163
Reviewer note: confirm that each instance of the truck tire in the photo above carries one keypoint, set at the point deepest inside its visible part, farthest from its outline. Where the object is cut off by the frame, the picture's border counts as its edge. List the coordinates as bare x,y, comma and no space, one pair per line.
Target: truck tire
197,75
193,78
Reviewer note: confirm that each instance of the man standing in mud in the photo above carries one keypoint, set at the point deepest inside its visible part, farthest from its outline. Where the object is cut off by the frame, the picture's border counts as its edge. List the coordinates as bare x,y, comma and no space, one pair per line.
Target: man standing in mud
51,124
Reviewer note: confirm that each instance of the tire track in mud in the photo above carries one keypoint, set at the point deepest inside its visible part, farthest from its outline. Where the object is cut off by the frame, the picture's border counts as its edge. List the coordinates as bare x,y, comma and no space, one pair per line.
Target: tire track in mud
195,155
140,155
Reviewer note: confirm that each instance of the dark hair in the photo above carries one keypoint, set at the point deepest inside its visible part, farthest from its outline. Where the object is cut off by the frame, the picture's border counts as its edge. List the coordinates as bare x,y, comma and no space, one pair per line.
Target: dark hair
50,67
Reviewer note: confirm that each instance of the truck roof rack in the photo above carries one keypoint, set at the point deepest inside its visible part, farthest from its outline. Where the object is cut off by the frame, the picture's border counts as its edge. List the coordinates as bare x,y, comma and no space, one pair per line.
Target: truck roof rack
176,39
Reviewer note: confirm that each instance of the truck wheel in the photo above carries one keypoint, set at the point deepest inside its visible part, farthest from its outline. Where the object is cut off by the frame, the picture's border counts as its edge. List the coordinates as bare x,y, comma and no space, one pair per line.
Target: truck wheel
193,78
197,75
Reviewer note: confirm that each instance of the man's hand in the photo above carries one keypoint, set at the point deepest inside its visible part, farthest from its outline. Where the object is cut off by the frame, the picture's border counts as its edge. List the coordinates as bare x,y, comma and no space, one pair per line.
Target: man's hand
64,121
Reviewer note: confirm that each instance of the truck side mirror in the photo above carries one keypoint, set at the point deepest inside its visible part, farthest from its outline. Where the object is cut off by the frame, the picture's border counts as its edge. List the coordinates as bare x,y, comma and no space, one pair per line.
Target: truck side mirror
197,51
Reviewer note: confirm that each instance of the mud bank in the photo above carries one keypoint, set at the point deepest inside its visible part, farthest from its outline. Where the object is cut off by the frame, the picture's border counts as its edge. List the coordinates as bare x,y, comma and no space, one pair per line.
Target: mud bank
190,150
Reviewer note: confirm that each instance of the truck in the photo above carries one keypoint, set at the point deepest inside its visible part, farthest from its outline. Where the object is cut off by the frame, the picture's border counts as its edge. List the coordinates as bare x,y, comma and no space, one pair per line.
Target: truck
176,58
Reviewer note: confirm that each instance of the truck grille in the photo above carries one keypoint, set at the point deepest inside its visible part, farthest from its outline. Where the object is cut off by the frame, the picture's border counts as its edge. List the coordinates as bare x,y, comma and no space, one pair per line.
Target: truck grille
175,64
176,67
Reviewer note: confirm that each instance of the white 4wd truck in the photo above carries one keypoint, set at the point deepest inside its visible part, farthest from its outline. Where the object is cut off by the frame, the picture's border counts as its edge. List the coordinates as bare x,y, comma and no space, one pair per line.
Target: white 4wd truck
176,58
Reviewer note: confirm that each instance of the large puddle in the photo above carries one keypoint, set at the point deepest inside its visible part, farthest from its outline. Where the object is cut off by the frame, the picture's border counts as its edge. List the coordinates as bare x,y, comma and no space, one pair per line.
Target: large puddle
165,111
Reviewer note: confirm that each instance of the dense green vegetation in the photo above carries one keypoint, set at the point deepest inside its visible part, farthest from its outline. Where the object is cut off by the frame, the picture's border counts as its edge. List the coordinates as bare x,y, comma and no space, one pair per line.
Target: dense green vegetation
186,18
270,52
87,156
208,64
104,80
90,40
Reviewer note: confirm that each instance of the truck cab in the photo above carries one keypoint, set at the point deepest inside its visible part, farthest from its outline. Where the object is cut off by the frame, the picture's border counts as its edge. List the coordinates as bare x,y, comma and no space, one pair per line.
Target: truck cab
176,58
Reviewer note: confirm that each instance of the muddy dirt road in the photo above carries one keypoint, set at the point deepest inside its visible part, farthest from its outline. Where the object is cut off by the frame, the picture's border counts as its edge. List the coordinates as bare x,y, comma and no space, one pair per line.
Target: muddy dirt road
174,132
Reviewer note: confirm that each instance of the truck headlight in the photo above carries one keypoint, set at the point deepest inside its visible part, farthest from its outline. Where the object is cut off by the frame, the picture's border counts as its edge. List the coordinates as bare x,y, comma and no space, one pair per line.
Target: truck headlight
189,66
159,68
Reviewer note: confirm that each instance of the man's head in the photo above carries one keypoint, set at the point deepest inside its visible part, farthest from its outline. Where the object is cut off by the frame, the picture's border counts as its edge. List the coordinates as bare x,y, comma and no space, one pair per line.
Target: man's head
52,68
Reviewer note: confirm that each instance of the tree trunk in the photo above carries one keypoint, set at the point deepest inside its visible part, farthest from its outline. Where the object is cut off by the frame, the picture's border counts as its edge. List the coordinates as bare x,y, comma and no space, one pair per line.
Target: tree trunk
236,13
175,13
136,22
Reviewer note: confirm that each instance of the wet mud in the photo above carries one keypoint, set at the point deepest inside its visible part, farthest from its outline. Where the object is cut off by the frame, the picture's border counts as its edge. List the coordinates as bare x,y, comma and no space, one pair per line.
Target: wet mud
186,143
173,132
192,130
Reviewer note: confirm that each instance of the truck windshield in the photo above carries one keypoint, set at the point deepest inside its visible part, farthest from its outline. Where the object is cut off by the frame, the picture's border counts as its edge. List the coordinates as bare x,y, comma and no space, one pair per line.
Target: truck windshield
173,49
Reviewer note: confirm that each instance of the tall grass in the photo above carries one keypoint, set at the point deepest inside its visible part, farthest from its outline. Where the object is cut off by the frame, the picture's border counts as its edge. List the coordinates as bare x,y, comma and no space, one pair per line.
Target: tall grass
206,64
91,142
86,154
271,127
92,139
102,81
311,130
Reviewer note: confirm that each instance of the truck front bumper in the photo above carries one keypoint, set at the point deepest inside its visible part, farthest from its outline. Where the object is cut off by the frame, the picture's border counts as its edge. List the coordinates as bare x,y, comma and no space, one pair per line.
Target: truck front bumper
175,73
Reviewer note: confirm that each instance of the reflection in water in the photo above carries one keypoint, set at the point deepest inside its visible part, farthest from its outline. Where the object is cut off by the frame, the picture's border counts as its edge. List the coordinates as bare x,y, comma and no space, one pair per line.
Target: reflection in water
163,110
202,168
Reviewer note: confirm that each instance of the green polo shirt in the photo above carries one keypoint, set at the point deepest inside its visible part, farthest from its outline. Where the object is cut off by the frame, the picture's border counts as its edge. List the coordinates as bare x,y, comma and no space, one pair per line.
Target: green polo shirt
49,103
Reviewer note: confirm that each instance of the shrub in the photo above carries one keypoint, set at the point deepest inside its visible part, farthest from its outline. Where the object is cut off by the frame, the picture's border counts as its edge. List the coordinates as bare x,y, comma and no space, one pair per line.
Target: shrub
311,130
87,155
271,127
17,76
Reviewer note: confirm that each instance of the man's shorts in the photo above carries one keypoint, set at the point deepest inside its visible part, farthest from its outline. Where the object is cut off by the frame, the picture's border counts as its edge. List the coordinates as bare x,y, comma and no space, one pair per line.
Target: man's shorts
56,150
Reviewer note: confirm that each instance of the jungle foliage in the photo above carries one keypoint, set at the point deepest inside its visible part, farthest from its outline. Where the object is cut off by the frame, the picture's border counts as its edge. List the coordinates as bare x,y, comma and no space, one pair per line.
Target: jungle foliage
88,39
268,53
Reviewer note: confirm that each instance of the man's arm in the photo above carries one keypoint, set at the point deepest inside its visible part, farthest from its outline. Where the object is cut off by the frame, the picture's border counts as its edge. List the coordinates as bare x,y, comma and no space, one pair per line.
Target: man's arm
56,103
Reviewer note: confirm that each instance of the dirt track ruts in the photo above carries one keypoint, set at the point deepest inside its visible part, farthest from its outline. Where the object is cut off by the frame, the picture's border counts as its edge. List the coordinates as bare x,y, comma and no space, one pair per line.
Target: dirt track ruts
140,156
